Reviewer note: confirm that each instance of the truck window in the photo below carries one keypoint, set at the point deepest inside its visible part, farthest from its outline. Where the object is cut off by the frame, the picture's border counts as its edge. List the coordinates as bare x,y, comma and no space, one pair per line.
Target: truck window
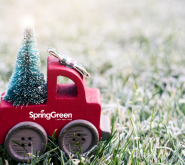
64,80
66,88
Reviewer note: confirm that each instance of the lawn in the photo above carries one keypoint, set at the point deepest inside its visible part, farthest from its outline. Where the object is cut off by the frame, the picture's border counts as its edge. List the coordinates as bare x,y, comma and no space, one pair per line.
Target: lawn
135,54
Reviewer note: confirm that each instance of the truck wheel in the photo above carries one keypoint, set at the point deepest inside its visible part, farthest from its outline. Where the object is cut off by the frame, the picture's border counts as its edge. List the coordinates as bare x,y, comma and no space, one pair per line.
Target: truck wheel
29,135
81,131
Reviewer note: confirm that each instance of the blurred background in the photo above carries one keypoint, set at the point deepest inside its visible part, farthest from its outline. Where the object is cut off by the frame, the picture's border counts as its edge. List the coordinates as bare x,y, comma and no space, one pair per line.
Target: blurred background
129,47
107,36
133,50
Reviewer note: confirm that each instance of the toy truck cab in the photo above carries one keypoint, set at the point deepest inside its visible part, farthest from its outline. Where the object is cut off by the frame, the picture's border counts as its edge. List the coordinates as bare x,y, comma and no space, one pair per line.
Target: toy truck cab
72,109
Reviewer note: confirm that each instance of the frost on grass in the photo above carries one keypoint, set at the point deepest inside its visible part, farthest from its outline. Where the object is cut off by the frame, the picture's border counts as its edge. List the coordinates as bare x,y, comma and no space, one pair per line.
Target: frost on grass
135,55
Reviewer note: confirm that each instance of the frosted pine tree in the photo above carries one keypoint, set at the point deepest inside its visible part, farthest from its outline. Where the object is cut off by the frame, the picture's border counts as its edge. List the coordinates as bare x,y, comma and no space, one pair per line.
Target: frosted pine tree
27,84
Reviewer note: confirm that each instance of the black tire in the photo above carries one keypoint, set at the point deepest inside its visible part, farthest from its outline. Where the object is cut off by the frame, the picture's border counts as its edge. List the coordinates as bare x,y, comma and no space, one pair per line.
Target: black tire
28,134
81,131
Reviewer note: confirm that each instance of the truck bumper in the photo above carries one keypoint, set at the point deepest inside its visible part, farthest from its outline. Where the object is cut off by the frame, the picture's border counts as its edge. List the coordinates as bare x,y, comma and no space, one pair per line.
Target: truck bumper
105,127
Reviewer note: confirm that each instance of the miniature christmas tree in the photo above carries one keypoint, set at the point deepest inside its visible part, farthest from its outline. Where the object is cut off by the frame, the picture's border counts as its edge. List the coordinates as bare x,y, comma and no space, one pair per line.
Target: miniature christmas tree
27,84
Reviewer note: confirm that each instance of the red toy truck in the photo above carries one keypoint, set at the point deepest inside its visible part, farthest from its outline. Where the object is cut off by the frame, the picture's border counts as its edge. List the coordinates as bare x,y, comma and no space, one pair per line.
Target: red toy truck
70,108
